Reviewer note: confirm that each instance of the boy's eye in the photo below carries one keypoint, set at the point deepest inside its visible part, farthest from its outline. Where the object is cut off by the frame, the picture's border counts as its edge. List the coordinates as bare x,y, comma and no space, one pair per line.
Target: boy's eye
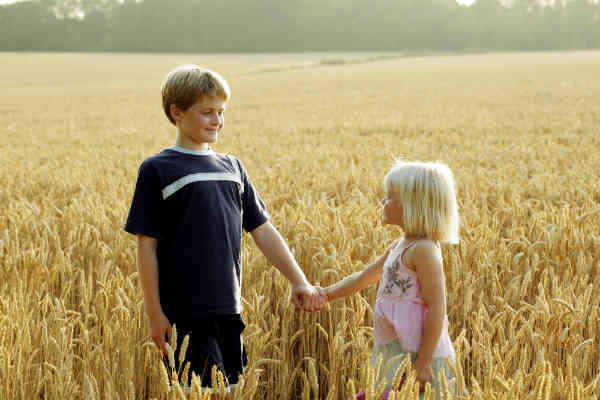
208,112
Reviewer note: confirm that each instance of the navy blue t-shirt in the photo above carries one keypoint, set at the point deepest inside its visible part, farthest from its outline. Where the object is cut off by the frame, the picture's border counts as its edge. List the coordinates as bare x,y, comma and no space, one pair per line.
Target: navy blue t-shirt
196,203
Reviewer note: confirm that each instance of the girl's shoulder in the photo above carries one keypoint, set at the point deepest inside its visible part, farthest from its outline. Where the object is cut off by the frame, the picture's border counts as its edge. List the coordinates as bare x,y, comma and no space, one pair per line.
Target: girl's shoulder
421,251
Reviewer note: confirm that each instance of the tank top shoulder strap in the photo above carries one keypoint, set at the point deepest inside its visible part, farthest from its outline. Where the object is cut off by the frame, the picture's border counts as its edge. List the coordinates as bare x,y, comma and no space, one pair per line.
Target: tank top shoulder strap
405,247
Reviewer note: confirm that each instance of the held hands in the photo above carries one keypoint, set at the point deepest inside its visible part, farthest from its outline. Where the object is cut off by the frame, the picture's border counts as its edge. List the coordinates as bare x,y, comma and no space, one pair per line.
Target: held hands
308,297
322,294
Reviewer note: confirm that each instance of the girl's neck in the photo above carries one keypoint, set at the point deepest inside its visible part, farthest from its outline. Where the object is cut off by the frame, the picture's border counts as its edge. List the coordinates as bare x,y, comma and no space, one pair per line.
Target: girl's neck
413,238
408,239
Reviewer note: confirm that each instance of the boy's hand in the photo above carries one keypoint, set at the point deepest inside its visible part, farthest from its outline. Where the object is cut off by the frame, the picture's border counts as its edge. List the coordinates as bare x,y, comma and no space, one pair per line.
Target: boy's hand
306,298
160,328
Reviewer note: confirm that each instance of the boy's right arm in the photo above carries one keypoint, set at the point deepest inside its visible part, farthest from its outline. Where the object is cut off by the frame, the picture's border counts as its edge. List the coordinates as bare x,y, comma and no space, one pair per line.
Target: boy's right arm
358,280
148,272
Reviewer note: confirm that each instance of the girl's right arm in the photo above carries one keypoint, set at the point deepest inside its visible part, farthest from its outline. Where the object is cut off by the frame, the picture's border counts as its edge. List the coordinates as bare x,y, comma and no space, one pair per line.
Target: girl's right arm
358,280
148,273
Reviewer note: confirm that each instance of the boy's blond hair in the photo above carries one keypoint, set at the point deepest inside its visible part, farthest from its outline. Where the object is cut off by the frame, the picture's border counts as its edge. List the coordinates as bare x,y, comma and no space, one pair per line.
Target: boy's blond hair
427,193
188,83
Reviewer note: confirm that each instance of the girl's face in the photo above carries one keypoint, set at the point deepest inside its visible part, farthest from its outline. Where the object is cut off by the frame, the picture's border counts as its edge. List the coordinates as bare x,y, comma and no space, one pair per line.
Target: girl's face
392,211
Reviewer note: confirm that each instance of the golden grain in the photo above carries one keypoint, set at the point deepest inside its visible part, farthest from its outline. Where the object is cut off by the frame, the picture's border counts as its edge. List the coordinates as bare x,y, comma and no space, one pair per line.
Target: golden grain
518,130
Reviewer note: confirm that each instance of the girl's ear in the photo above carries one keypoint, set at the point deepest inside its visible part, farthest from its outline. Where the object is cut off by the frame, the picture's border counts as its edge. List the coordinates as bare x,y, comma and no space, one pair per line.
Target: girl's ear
399,206
401,212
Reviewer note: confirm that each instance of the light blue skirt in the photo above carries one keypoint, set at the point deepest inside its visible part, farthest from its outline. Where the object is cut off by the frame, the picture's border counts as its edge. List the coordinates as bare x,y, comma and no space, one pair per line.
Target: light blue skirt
391,356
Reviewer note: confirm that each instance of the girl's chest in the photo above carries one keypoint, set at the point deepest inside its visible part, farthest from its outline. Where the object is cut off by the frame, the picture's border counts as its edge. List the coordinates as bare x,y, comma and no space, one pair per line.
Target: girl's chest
397,279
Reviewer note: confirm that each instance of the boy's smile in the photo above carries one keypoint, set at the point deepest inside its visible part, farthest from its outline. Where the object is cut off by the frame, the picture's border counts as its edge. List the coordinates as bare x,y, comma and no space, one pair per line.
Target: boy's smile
200,124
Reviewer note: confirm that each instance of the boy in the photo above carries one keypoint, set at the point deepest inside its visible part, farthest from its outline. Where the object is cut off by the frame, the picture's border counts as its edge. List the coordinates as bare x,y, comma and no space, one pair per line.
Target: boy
188,211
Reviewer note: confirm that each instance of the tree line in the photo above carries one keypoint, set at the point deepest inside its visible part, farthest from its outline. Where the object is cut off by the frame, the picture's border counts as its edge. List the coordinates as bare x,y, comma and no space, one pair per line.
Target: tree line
297,25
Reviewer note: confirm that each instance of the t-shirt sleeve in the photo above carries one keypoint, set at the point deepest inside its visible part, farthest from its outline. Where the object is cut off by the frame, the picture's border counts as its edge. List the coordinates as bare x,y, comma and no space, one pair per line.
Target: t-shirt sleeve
146,215
255,212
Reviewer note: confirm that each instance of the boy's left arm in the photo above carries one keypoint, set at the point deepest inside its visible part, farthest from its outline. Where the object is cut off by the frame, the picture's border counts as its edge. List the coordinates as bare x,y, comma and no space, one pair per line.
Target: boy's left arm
273,246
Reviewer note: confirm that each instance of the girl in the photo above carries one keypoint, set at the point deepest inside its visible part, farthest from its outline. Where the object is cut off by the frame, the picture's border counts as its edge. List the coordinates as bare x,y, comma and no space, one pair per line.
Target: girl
410,310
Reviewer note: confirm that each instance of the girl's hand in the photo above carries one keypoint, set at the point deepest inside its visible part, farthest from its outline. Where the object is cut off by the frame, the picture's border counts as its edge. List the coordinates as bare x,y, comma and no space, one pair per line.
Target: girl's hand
322,296
424,371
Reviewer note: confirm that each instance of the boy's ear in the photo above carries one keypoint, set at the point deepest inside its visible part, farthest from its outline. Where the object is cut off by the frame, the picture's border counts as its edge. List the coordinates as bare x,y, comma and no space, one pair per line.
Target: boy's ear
175,112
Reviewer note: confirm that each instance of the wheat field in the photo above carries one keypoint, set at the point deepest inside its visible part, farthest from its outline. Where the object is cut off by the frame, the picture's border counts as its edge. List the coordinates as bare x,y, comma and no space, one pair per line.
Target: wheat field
316,133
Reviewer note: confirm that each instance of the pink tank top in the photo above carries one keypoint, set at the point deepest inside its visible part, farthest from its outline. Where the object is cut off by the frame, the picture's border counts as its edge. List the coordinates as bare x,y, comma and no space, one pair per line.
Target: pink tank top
400,309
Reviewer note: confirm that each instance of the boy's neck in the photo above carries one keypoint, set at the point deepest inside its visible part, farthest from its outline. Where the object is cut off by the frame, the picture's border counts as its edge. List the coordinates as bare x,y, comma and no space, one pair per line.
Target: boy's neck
186,144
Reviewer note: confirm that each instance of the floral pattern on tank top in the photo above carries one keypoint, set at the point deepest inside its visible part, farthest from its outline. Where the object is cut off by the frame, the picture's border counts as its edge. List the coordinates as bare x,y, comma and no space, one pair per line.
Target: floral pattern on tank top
393,278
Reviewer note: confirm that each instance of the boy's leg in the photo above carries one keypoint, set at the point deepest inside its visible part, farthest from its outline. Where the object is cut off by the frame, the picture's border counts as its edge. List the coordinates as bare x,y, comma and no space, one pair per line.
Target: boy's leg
232,347
204,351
214,341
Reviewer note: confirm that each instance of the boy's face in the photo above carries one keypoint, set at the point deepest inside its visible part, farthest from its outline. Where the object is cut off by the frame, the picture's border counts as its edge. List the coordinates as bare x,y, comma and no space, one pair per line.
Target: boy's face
201,123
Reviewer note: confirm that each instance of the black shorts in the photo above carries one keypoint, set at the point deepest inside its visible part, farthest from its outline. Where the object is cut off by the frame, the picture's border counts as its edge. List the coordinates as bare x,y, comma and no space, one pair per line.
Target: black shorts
216,341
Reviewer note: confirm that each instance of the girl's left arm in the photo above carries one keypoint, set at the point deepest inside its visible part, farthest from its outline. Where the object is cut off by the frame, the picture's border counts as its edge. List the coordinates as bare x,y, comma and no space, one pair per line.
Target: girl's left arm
357,281
427,259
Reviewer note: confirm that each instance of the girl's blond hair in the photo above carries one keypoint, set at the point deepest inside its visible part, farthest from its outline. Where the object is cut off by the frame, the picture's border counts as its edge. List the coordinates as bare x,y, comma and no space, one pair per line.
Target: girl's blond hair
427,193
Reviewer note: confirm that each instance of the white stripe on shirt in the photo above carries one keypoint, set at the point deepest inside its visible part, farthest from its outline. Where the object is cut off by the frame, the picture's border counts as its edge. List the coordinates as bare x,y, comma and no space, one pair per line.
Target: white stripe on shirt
200,177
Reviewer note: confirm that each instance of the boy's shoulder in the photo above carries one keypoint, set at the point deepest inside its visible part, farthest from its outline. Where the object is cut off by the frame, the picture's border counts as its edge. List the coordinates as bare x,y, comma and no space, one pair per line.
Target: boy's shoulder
155,158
